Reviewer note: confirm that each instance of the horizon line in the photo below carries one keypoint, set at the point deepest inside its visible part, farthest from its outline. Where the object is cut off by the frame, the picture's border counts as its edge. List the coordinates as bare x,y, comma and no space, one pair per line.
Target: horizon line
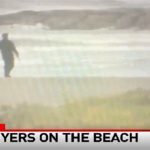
72,9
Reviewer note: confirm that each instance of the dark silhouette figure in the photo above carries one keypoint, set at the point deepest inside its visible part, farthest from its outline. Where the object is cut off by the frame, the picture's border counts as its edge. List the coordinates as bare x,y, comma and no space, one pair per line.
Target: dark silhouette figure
8,50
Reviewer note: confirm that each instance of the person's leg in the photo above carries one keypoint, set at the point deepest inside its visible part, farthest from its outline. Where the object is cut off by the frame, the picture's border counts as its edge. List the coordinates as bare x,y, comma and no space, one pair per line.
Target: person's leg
8,67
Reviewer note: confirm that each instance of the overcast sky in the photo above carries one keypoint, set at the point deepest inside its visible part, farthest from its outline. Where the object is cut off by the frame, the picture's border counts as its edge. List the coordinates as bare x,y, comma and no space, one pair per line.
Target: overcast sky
7,6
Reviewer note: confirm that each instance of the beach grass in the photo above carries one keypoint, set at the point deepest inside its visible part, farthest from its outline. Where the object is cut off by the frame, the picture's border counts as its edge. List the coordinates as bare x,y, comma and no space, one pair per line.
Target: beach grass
128,110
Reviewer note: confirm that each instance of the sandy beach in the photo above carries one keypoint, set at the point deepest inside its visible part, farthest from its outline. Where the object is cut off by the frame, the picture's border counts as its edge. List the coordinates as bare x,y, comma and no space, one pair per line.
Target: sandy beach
58,90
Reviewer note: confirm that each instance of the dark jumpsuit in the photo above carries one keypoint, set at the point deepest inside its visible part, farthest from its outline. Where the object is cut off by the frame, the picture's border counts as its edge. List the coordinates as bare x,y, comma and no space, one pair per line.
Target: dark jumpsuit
8,49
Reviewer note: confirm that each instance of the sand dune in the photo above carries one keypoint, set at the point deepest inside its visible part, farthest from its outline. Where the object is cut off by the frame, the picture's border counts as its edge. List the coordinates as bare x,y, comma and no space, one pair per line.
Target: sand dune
127,18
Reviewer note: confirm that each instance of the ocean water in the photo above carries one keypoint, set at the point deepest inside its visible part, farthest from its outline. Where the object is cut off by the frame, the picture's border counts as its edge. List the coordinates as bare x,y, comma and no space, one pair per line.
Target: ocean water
100,53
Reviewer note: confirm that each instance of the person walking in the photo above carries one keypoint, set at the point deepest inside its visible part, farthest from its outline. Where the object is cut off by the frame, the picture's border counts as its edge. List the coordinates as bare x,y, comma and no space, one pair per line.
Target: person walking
8,50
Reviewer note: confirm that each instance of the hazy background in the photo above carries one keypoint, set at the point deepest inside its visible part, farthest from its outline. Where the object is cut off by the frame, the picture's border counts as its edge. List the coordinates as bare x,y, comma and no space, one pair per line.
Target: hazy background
18,5
78,38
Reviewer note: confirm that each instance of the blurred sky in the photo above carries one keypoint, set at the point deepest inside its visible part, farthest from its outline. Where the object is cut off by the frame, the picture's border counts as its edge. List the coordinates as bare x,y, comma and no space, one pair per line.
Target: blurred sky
8,6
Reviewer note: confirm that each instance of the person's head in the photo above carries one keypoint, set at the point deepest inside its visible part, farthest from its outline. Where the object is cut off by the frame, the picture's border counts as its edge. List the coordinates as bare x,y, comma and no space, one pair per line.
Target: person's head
5,36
